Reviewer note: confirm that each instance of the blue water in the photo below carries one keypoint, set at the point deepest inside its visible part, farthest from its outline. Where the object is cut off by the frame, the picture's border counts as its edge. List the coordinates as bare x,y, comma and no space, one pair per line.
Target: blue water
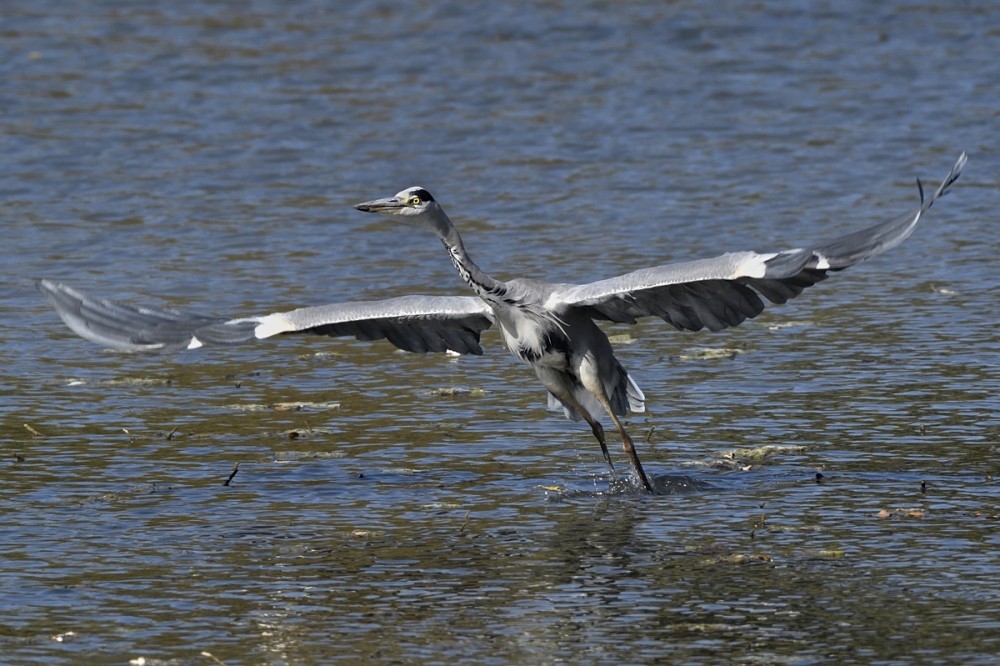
418,509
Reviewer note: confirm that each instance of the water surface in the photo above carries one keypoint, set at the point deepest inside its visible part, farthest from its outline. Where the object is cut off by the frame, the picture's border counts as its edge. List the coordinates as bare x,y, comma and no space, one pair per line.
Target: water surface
831,463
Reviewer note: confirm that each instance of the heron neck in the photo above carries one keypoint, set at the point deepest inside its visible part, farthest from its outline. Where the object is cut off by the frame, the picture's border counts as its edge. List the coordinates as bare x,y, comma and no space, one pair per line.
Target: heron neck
485,286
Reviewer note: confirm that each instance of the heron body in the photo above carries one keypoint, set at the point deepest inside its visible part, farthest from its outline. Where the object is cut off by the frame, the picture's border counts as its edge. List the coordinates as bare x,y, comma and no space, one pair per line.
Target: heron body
570,354
550,326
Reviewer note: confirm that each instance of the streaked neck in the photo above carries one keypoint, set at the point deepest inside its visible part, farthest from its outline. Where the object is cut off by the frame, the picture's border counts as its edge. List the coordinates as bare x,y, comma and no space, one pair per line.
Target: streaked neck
486,287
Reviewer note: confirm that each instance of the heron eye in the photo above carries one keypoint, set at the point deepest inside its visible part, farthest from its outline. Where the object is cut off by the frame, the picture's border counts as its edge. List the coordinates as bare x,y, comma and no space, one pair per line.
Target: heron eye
414,201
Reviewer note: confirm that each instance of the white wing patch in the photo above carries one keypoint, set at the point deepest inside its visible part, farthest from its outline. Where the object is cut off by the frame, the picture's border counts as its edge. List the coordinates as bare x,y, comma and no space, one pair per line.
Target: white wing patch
271,325
754,266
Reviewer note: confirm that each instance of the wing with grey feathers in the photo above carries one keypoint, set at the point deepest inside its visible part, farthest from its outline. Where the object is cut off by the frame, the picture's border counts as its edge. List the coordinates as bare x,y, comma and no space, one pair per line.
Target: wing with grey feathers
724,291
412,323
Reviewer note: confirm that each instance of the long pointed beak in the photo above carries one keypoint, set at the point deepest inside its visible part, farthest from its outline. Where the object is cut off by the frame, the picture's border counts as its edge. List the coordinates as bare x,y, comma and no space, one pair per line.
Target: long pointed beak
388,205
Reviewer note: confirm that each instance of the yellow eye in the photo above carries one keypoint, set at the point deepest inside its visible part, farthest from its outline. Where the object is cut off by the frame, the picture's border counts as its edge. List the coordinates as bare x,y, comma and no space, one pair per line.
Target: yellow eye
414,201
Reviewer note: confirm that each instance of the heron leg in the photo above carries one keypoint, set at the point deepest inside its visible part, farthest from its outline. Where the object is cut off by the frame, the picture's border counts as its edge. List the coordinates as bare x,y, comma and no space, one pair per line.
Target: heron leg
598,431
595,426
591,380
633,457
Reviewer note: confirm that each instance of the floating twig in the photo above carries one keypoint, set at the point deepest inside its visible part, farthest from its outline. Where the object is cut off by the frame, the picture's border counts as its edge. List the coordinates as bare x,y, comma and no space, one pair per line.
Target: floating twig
206,653
236,468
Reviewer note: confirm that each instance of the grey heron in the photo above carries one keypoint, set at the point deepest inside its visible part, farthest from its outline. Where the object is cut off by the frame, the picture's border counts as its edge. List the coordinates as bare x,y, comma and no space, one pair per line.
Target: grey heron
550,326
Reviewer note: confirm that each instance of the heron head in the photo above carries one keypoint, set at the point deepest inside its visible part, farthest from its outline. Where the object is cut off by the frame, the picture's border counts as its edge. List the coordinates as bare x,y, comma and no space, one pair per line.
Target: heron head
411,202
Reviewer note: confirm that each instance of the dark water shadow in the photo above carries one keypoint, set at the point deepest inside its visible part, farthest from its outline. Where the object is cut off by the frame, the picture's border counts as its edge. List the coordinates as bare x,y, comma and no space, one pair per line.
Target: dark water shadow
680,484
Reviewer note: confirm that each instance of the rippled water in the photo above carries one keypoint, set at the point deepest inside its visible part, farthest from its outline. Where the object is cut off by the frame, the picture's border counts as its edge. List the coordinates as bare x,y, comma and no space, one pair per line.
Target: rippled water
831,464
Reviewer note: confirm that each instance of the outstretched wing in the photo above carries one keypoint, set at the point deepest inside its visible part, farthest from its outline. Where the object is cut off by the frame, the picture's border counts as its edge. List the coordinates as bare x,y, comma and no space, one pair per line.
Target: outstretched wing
724,291
412,323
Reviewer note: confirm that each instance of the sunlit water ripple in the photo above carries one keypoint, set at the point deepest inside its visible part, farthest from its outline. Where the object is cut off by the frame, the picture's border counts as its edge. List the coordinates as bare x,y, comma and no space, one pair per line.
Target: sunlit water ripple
828,468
